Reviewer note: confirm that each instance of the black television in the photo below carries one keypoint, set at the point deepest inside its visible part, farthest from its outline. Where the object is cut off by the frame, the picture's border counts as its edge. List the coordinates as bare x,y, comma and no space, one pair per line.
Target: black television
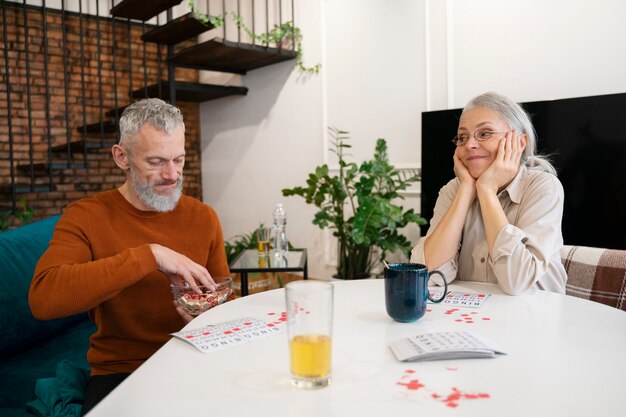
586,140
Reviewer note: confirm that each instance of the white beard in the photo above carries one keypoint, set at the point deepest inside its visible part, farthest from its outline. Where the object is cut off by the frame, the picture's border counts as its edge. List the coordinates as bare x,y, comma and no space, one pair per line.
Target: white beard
151,198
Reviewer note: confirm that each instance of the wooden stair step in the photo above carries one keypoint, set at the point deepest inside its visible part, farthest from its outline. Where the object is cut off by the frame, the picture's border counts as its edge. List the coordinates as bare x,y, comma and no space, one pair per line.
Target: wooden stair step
226,56
142,9
105,127
189,91
178,30
78,147
113,112
25,188
42,168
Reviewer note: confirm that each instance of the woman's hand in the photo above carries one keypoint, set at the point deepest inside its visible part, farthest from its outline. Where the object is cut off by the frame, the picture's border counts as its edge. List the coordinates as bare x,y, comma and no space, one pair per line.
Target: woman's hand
462,173
506,164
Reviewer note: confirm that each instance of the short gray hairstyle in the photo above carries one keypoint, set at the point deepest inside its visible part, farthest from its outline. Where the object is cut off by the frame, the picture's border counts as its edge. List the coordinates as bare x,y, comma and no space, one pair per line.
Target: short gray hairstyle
153,111
519,121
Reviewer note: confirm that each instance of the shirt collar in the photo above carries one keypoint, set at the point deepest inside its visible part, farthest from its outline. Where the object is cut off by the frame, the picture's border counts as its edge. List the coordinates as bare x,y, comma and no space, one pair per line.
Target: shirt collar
516,188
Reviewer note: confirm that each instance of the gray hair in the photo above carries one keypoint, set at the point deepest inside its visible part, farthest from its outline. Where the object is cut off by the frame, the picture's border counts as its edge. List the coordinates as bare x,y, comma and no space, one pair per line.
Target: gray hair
519,121
153,111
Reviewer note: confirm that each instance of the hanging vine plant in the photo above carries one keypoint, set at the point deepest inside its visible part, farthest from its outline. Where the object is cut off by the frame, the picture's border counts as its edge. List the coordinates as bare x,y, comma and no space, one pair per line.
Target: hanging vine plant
280,35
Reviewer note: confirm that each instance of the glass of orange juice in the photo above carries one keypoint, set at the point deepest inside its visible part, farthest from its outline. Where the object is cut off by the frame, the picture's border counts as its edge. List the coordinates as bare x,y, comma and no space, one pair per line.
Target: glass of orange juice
263,235
309,330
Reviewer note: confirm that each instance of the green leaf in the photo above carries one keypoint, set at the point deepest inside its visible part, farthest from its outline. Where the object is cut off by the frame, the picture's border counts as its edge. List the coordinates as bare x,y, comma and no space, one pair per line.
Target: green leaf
357,204
284,32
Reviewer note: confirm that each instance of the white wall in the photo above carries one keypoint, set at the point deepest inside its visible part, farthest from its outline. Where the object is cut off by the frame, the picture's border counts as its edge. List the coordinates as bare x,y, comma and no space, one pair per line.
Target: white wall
384,62
254,146
538,50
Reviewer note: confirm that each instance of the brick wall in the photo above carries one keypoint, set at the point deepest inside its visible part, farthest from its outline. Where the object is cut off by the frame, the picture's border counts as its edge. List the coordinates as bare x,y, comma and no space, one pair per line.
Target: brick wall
79,92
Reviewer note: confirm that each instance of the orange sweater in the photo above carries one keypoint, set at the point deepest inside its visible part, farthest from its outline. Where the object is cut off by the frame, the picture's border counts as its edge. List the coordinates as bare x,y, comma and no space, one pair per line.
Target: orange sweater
99,261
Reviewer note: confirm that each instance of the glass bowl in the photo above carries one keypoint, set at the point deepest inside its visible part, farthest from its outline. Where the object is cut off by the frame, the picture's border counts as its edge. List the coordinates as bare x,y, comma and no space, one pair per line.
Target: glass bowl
194,303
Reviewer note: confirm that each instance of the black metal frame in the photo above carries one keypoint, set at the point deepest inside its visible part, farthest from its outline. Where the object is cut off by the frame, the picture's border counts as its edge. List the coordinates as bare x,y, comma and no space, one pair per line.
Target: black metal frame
33,177
37,183
303,266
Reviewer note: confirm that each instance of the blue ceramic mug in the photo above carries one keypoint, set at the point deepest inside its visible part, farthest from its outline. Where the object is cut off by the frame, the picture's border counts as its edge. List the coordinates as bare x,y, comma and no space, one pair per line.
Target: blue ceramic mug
406,291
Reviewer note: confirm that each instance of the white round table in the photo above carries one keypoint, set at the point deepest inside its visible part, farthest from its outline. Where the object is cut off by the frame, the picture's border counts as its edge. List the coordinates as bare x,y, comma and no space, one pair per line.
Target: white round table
565,357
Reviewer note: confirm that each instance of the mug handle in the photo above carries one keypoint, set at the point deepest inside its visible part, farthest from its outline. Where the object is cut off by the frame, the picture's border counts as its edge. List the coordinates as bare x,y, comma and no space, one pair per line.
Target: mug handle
445,288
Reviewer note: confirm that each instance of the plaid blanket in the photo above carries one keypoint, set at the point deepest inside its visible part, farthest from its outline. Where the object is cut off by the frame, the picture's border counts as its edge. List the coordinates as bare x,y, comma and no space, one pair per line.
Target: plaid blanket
596,274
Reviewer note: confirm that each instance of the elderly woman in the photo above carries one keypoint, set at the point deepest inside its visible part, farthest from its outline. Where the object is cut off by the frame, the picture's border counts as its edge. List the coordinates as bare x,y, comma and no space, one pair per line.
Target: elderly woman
499,219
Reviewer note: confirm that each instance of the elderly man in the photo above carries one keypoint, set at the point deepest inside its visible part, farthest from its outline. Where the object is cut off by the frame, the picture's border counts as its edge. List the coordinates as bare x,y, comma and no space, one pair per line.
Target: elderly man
115,254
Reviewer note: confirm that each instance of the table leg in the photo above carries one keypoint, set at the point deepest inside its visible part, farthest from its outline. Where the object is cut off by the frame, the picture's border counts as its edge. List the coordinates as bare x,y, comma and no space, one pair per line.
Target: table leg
244,284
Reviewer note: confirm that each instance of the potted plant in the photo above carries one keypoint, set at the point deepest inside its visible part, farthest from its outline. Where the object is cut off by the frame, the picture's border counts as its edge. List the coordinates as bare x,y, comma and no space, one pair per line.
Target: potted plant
239,243
20,217
262,280
358,206
284,36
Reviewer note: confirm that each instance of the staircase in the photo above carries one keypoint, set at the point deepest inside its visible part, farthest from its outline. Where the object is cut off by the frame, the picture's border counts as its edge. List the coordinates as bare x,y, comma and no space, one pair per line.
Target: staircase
37,174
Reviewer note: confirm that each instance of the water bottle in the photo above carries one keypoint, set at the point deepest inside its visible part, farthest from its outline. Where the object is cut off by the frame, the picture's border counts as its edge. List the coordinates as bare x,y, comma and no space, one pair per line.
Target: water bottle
279,221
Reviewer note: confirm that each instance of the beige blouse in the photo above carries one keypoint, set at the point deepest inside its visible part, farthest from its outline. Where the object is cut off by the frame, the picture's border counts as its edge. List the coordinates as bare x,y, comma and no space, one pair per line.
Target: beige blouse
527,251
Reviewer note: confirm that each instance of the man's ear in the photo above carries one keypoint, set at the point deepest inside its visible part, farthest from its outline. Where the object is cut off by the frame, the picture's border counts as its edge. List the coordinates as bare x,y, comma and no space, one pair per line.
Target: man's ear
120,156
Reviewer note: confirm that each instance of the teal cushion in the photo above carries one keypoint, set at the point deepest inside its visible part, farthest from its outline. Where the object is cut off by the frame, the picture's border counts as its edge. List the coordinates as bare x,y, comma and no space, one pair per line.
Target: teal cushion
62,395
14,412
20,372
20,249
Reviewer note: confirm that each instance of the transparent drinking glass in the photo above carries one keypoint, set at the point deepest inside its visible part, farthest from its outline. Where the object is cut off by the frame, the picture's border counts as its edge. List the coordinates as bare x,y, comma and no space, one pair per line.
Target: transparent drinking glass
309,306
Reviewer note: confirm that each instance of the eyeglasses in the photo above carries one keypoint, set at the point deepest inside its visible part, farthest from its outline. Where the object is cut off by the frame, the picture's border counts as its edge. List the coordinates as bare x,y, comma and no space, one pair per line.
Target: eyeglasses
480,135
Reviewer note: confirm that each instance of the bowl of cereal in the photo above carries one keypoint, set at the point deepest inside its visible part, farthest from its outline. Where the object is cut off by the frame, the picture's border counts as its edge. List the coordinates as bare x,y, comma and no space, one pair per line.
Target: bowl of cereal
194,303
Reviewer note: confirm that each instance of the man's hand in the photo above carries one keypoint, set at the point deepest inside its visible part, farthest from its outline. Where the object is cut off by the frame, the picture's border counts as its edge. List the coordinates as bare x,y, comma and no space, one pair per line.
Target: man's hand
179,268
182,313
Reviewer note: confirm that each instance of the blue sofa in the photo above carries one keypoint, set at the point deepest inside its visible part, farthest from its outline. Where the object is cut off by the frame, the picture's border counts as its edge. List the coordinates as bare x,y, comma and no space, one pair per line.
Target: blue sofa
31,349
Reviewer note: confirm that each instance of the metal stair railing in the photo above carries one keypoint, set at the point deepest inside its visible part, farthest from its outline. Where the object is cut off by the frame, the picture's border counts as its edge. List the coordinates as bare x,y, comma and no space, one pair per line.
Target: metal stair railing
30,162
37,140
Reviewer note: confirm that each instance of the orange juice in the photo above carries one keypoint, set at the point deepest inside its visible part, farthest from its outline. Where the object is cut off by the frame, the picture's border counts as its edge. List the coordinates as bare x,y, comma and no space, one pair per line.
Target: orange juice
310,356
263,247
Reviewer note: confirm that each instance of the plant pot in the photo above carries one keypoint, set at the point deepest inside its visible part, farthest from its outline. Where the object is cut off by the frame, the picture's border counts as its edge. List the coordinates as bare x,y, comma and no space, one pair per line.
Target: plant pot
285,43
354,262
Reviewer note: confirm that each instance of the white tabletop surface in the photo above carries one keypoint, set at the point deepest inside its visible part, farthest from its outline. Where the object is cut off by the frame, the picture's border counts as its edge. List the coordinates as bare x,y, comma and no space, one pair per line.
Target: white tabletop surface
566,357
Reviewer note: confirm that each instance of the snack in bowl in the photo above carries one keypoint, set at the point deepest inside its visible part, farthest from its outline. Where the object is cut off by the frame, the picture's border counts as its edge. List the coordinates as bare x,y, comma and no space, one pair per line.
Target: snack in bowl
194,303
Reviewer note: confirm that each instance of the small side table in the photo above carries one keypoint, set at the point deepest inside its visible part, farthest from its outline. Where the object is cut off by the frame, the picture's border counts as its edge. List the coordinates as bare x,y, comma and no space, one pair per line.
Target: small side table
249,261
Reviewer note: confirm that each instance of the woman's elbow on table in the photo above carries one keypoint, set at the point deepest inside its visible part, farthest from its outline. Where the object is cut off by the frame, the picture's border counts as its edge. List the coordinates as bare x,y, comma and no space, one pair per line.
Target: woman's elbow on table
516,283
514,280
515,290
